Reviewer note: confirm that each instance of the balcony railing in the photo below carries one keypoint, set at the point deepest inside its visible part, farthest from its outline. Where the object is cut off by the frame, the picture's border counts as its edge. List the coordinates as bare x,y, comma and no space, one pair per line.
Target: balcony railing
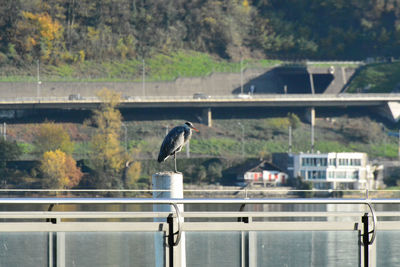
199,232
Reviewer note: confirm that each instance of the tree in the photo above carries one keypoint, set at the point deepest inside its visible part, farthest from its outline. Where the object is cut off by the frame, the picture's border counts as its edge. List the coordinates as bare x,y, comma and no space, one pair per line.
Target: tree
133,174
294,120
133,169
40,36
8,151
106,153
9,10
60,170
51,136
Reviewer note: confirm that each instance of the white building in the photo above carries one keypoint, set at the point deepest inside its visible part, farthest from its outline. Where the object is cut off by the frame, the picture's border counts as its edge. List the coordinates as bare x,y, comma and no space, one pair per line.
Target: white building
348,170
262,173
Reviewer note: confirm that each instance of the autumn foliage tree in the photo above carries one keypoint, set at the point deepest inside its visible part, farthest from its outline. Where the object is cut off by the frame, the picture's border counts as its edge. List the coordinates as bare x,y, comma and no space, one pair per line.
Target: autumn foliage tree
50,137
133,170
39,35
59,170
107,156
73,30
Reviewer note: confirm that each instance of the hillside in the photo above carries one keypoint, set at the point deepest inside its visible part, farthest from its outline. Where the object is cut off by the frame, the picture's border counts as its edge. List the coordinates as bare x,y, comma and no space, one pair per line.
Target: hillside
58,32
376,78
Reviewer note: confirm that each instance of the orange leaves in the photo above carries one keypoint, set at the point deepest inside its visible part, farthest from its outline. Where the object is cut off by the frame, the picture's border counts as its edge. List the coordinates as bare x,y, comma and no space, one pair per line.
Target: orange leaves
60,169
45,26
41,34
57,165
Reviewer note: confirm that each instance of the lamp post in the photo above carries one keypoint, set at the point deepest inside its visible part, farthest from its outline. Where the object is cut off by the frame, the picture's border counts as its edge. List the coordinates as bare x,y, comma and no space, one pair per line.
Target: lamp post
125,136
241,125
38,78
241,75
399,144
143,79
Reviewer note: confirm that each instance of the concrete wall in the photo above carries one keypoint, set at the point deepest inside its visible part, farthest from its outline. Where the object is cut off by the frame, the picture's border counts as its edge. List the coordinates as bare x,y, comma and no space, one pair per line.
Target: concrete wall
265,80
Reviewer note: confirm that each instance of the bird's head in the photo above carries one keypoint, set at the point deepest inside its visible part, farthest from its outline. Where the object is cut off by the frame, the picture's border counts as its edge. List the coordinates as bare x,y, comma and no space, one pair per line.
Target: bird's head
190,125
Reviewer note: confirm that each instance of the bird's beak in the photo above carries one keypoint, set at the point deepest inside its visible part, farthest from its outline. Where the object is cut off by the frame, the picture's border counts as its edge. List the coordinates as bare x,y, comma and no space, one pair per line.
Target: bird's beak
195,129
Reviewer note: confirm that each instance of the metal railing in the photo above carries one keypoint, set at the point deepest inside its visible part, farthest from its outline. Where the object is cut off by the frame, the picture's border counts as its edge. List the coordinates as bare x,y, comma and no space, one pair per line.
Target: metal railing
70,215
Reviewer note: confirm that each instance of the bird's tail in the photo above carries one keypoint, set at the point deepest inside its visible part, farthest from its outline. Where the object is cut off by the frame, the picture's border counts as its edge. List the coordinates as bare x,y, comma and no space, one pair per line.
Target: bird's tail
161,158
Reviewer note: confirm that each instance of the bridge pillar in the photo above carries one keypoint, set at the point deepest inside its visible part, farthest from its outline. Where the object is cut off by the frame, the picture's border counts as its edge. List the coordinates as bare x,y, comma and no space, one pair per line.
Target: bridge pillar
311,83
207,117
391,110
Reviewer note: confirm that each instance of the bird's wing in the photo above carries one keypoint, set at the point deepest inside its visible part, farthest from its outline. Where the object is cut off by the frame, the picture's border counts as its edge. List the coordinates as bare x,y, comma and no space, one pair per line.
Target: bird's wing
172,143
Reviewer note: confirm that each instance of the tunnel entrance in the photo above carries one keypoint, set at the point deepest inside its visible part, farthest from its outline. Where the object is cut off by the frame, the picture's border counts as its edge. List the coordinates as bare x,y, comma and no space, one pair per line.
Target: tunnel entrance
296,80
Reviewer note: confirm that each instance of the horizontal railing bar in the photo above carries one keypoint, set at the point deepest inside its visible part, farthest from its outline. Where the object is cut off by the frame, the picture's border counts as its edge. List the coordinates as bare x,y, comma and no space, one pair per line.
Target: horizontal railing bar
83,227
187,226
270,226
193,201
200,190
194,190
388,226
81,215
269,214
205,214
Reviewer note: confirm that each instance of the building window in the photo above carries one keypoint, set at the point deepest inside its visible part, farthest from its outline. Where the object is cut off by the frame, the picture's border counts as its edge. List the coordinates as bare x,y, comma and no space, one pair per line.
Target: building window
312,175
332,162
355,175
355,162
341,175
315,162
343,162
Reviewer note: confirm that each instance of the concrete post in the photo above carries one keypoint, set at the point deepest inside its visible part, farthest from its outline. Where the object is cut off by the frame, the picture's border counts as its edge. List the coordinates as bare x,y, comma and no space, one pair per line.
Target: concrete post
207,117
344,76
312,83
172,183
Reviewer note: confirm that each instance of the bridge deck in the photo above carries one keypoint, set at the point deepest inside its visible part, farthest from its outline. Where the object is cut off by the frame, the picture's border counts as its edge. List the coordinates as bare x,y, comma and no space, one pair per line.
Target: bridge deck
292,100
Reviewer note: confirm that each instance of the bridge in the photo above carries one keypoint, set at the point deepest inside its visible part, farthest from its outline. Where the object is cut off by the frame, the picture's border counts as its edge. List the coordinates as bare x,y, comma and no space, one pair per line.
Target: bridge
390,103
267,100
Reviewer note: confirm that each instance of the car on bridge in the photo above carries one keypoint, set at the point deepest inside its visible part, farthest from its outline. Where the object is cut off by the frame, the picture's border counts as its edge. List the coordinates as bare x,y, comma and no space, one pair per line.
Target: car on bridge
200,96
244,96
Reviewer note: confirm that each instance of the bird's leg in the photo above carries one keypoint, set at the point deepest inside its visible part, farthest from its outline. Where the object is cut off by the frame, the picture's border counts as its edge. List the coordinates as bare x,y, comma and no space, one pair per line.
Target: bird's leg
175,162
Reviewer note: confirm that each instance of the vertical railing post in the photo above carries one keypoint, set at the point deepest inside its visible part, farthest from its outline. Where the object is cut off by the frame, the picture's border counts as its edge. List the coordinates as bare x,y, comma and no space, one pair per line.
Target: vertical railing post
365,239
52,241
60,247
50,248
170,221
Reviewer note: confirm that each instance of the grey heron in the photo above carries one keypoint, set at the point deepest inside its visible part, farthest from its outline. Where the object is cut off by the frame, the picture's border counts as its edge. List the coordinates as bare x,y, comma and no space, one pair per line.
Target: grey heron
175,140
